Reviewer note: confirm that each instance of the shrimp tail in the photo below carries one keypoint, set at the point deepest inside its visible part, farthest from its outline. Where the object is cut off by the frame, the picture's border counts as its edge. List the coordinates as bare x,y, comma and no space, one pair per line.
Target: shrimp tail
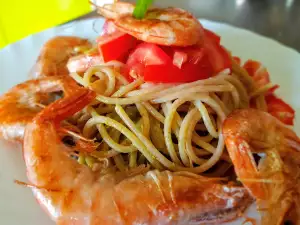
243,158
64,108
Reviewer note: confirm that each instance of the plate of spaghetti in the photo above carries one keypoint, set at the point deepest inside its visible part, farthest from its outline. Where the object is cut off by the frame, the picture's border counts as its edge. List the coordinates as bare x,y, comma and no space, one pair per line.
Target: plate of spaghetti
149,116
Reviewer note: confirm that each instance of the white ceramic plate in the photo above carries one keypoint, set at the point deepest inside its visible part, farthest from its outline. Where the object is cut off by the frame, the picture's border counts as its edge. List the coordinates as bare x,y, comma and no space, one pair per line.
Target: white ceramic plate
17,205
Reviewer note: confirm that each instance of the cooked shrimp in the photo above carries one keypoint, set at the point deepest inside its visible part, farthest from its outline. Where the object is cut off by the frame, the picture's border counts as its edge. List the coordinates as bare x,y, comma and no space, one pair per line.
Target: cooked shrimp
73,194
275,182
170,26
21,103
82,62
55,55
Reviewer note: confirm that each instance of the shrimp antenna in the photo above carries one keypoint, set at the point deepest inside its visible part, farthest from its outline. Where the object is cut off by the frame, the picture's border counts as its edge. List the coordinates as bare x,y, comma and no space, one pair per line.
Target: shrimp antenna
33,186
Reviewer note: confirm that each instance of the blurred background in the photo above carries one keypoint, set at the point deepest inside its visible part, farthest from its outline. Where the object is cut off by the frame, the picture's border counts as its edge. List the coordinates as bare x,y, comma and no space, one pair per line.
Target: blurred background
278,19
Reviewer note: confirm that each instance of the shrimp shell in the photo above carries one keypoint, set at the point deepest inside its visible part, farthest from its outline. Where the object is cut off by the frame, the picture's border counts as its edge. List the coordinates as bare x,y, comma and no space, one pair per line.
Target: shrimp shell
275,181
72,193
55,54
170,26
21,103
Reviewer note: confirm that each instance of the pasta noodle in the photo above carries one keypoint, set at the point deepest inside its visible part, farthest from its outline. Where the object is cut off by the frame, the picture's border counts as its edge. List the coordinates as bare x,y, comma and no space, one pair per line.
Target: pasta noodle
168,126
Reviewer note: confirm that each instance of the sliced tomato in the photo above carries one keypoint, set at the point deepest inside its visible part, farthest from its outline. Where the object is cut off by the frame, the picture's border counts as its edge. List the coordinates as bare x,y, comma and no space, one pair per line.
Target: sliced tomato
218,56
280,109
259,73
179,58
125,71
212,36
192,55
198,61
172,74
167,73
237,60
113,46
146,54
273,89
160,64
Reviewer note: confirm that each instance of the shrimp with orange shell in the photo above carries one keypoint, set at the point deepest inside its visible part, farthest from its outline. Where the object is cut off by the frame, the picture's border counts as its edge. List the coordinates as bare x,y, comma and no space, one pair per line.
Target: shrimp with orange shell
170,26
161,159
275,181
73,193
23,102
55,53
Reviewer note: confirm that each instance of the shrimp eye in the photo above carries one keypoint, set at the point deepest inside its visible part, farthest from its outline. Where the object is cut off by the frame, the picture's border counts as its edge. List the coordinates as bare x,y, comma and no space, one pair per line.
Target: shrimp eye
288,222
69,141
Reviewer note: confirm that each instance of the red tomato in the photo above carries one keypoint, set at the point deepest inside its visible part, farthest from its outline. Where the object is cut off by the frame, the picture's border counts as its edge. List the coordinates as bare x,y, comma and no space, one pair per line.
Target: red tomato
212,36
167,73
194,53
172,74
113,46
146,54
259,74
281,110
218,56
125,71
179,58
273,89
198,59
237,59
156,63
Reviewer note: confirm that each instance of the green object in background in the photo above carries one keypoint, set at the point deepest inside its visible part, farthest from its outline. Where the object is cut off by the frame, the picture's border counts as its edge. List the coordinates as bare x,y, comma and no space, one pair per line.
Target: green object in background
141,8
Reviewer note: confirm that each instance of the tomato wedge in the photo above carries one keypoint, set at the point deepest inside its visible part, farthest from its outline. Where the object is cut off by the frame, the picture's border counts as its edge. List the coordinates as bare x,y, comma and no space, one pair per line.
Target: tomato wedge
218,56
179,58
175,65
146,54
160,64
273,89
281,110
259,73
196,66
237,60
115,45
172,74
212,36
